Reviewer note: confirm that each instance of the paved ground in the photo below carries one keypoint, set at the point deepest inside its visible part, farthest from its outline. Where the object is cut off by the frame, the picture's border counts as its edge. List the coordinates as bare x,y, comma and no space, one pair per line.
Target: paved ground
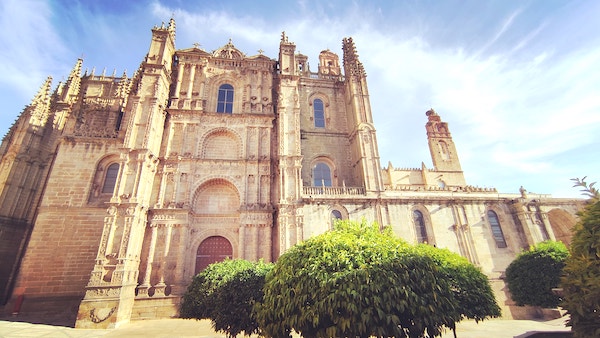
163,328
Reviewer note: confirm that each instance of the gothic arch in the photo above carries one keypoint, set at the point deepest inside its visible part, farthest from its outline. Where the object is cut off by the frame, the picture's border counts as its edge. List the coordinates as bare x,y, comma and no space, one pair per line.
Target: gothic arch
444,150
221,143
203,235
321,121
562,223
319,95
337,211
365,127
212,92
96,194
498,231
428,237
322,159
216,196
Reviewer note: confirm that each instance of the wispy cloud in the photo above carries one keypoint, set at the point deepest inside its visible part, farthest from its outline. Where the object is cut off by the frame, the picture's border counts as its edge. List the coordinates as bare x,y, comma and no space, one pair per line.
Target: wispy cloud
29,44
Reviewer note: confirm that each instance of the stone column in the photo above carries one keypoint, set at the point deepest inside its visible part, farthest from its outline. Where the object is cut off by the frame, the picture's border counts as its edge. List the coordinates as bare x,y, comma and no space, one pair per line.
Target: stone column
159,289
242,241
143,288
110,292
180,285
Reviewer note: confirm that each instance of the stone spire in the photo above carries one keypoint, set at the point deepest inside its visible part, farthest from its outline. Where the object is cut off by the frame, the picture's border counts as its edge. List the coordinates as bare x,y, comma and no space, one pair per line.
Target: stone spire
352,66
124,88
171,28
361,119
39,108
69,92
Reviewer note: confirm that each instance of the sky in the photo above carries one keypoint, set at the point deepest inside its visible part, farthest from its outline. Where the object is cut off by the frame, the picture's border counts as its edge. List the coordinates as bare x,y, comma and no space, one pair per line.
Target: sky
517,81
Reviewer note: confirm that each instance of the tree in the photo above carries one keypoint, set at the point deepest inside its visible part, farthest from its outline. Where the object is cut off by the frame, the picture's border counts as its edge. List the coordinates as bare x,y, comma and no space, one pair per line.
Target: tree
224,293
534,273
581,280
470,286
358,281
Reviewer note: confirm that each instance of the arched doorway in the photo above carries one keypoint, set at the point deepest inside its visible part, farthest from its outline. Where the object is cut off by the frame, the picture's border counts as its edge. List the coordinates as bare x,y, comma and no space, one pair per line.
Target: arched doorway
211,250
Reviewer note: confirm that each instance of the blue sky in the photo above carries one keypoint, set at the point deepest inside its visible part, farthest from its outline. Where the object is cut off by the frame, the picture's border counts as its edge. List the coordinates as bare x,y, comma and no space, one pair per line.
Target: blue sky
517,81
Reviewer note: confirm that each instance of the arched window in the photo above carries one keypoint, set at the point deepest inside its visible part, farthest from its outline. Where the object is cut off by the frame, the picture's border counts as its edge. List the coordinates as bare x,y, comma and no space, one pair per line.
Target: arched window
225,99
335,216
110,179
444,150
420,228
322,175
496,229
319,113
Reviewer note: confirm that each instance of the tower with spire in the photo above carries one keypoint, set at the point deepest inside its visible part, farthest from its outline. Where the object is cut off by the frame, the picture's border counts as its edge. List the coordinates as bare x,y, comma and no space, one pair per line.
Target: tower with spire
363,139
443,151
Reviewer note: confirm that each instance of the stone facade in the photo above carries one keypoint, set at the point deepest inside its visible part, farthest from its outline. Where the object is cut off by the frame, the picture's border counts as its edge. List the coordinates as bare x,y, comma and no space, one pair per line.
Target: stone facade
115,191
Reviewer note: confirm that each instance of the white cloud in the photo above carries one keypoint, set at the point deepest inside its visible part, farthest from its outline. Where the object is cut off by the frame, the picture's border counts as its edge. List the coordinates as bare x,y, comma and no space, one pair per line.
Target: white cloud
520,104
29,44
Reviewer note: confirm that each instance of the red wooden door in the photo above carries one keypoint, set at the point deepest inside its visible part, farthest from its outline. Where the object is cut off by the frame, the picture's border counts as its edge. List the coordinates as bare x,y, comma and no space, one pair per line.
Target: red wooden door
211,250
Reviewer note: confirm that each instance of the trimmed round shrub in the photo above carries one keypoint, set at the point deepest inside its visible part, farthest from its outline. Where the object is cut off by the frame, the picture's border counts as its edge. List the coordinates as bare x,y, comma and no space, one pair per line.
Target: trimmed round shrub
225,293
357,281
534,273
470,286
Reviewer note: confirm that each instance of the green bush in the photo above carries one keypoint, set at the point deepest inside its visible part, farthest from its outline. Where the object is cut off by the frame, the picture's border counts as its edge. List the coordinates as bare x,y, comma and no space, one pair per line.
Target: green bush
581,280
225,293
470,286
534,273
358,281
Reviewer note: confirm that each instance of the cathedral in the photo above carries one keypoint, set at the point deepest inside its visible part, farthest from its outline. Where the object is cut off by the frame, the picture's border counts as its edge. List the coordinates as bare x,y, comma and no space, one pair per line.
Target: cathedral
115,191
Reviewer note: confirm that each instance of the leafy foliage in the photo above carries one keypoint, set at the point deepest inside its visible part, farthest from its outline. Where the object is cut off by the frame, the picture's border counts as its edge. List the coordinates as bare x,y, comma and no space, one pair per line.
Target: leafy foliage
535,272
358,281
225,293
470,286
586,189
581,281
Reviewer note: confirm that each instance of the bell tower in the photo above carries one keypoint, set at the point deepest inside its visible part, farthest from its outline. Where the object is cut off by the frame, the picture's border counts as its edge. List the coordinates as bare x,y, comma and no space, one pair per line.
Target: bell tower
442,148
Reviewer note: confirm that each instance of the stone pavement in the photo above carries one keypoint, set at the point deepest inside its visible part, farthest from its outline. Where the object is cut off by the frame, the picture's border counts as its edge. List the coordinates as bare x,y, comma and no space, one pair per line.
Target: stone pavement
163,328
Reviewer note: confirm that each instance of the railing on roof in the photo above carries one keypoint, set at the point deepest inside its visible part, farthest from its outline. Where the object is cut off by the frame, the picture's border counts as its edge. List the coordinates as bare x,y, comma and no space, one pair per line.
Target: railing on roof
333,190
325,76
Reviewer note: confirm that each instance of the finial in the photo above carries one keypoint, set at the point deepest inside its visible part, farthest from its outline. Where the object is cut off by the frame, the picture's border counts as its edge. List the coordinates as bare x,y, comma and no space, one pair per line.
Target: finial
260,51
196,45
430,112
171,27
